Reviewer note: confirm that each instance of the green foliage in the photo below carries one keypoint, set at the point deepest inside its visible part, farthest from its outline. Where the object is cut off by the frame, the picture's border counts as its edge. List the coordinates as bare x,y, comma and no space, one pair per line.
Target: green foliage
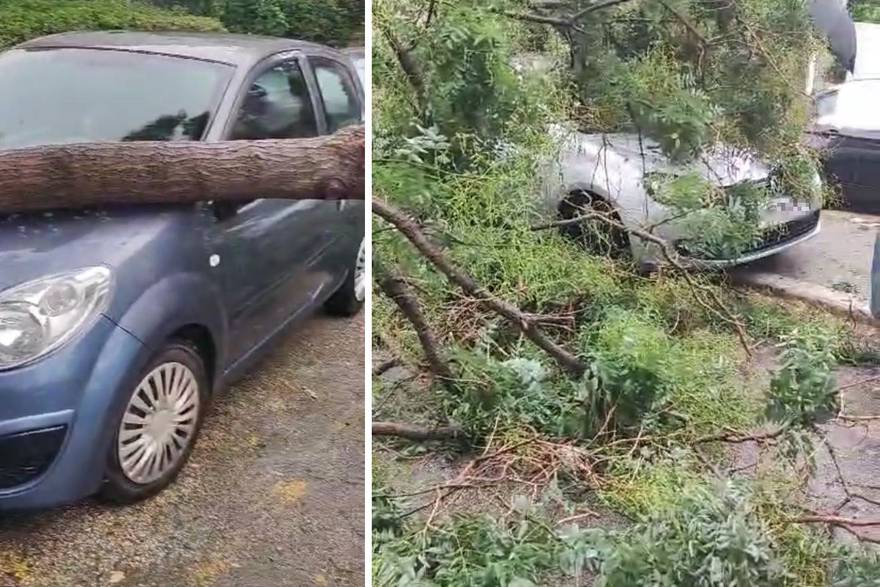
866,11
858,569
737,81
631,358
482,552
524,546
511,393
464,157
650,482
726,221
803,389
323,21
473,87
707,539
473,97
262,17
21,20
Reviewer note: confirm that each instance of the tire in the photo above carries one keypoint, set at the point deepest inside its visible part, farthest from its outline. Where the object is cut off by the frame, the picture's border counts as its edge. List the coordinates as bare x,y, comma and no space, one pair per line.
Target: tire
594,235
349,298
176,368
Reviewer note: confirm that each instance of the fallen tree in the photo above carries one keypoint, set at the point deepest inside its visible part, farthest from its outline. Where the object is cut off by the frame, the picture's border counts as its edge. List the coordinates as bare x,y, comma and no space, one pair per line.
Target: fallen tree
85,175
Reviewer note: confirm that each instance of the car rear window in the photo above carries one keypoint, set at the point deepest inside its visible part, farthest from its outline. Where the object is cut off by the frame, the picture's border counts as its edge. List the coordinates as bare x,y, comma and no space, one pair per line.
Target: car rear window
86,95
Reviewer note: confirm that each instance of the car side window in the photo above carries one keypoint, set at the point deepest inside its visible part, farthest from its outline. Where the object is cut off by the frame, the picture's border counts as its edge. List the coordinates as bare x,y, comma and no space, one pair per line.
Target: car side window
277,106
338,93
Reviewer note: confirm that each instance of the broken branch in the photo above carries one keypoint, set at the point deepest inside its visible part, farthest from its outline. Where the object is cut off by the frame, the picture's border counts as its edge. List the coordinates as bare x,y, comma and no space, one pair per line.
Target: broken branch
516,317
417,433
396,288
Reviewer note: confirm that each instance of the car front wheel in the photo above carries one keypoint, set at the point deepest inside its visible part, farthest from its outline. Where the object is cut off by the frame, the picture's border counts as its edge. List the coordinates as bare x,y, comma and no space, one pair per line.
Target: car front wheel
349,298
157,430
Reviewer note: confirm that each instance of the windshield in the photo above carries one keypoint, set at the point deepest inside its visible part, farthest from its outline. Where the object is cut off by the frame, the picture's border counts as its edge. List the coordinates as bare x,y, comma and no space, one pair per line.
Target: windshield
84,95
868,56
850,107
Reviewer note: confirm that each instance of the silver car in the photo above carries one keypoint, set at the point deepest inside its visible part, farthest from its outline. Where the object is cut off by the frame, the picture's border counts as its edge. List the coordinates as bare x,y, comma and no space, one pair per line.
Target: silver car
611,172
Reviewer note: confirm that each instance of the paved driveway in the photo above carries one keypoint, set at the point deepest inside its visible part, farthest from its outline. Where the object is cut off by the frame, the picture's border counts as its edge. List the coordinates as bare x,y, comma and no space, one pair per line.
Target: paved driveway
834,266
274,493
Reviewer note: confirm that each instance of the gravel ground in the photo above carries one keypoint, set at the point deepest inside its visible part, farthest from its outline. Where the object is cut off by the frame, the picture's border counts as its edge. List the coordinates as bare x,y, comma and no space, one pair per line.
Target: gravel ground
273,495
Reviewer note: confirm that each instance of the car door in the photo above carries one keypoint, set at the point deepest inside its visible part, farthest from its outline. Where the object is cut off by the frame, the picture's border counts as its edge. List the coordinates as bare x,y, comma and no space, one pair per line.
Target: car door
265,248
340,102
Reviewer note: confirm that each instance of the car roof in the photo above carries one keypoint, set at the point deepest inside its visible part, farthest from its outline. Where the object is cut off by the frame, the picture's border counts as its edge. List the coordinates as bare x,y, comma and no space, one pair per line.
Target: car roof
232,49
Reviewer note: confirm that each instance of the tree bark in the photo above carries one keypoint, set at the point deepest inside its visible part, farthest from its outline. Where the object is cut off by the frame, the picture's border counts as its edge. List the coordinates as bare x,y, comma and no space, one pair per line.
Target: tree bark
519,319
86,175
396,288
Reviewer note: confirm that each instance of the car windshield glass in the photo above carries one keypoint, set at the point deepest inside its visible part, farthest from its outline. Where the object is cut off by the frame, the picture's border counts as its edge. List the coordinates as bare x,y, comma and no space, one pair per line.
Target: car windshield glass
852,106
82,95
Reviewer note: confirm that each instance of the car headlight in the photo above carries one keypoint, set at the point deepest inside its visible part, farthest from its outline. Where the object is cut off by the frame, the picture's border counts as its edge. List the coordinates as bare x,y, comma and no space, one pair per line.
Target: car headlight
40,316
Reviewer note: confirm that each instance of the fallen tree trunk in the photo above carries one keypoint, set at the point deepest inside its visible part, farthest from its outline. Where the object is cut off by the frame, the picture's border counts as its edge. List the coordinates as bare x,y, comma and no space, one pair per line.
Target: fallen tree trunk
95,174
418,433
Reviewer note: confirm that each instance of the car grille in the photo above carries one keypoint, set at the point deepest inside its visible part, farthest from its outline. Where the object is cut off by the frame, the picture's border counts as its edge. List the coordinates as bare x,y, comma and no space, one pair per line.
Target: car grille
771,237
782,233
27,455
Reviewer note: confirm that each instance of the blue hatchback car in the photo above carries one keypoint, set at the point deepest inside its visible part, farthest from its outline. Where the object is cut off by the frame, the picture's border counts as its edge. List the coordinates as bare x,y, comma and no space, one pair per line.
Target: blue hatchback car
117,325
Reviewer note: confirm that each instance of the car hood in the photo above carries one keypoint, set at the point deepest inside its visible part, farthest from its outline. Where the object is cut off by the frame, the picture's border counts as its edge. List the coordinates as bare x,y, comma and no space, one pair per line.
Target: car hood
40,244
722,164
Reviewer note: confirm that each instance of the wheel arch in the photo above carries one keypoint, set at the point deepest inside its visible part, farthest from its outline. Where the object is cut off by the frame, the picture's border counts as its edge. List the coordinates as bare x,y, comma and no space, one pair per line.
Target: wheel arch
185,306
200,337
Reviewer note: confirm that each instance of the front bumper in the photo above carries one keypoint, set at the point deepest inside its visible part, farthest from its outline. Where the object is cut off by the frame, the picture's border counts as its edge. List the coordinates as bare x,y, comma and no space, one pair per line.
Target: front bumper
26,456
56,417
776,238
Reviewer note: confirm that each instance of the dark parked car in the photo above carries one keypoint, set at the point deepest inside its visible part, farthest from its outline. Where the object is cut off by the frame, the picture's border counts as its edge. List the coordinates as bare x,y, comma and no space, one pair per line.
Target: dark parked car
117,325
847,129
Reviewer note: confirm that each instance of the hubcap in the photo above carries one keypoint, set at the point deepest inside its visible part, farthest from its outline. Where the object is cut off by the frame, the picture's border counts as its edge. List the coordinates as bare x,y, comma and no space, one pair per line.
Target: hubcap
159,423
360,275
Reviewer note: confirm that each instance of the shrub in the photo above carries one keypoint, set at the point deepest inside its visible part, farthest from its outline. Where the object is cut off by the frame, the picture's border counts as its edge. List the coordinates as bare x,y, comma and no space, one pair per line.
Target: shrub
866,10
323,21
21,20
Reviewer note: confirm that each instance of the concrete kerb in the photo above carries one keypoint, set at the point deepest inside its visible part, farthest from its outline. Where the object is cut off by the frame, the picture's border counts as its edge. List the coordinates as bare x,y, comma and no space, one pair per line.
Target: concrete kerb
838,302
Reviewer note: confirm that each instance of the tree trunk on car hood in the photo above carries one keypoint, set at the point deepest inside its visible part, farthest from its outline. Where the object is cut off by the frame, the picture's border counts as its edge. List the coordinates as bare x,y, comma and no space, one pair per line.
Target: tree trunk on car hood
86,175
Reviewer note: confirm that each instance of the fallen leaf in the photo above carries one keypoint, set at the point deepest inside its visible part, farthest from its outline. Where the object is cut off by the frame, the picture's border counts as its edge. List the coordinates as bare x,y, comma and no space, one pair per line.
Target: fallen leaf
290,492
